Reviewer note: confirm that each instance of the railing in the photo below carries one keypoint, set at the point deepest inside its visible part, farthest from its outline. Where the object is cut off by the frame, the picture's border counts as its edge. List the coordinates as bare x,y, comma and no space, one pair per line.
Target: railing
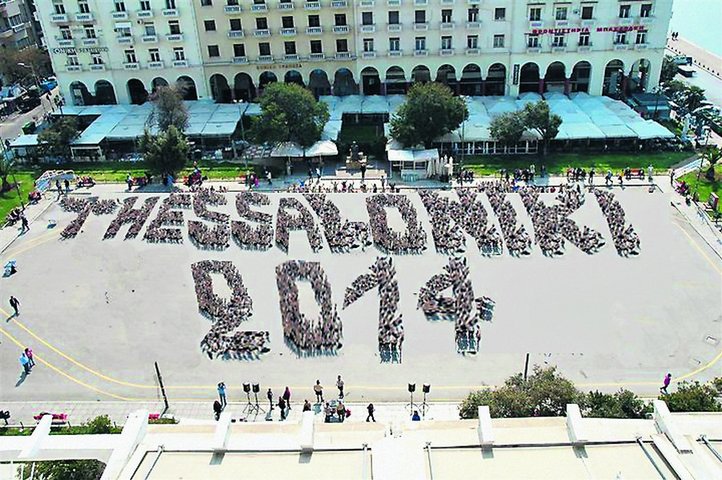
232,9
314,30
180,63
259,7
368,28
83,17
243,59
312,6
119,15
340,29
170,12
393,27
144,14
288,31
174,37
285,6
131,66
123,40
261,32
235,33
155,65
149,38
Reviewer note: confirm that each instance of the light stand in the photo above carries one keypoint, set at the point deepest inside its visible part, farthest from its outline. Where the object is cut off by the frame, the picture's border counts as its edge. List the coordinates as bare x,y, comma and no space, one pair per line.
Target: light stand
411,405
249,405
426,388
257,407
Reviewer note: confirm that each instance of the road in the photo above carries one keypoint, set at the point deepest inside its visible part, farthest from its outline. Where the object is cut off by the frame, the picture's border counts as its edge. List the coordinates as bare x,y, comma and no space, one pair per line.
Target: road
12,126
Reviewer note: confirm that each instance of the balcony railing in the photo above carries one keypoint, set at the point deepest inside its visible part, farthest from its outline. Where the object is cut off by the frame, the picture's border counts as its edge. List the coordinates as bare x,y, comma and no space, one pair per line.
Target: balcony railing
155,65
180,63
242,59
83,17
641,46
232,9
588,22
421,26
265,59
473,25
285,6
287,32
259,7
235,33
90,42
395,53
343,55
339,4
119,15
393,27
536,49
584,48
149,39
368,28
646,20
261,32
393,3
316,56
368,55
170,12
446,26
312,6
290,57
340,29
123,40
97,67
174,37
73,68
59,18
366,3
421,53
144,14
131,66
63,42
445,52
314,30
472,51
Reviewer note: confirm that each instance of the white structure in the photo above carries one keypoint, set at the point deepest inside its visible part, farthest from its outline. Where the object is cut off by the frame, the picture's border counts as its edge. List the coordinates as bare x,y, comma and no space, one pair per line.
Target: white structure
230,49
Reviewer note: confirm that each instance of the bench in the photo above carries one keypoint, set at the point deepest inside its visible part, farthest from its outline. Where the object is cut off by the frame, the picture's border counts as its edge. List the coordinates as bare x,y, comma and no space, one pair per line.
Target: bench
59,419
636,173
153,416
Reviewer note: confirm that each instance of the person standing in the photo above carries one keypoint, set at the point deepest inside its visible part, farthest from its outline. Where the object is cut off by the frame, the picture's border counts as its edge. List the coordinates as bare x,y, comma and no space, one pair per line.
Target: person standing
287,397
371,411
318,390
339,385
67,186
222,394
269,396
665,383
306,406
217,409
25,223
15,304
671,177
282,407
650,172
25,362
29,354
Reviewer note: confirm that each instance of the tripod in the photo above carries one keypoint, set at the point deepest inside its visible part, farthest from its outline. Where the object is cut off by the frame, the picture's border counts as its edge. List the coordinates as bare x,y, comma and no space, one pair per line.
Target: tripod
251,407
411,406
424,406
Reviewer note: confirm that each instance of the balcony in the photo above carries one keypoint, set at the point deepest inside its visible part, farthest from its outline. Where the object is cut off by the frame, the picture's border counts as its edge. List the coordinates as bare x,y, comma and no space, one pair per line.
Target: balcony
641,46
235,33
536,49
174,37
286,6
287,32
620,46
73,68
447,2
20,27
646,20
584,48
420,27
393,27
421,3
368,28
261,32
472,51
59,18
368,55
625,21
588,22
473,25
559,48
315,56
259,7
232,9
144,14
122,40
291,57
473,2
170,12
90,42
445,52
536,24
340,29
343,55
149,39
131,66
561,23
119,15
393,3
155,65
180,63
240,60
446,26
421,53
314,30
339,3
62,42
367,3
312,6
97,67
84,17
265,59
395,53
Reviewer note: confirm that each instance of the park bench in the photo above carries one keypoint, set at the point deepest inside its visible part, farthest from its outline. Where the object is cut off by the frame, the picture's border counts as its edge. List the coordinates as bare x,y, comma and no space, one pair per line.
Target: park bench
59,419
153,416
636,173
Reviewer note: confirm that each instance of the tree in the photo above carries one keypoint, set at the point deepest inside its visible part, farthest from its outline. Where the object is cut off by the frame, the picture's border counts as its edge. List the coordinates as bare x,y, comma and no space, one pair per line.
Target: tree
430,111
669,70
168,109
622,404
68,470
56,140
289,113
166,152
537,116
35,60
692,98
693,397
507,128
6,168
711,154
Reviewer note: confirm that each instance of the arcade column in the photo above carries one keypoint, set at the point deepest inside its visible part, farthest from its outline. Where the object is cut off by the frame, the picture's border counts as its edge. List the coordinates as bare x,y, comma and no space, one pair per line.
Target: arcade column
541,86
567,86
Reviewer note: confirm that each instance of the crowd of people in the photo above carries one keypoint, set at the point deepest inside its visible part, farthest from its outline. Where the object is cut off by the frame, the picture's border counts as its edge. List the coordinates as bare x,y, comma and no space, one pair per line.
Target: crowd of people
260,236
226,314
135,216
552,223
391,326
168,217
341,237
517,239
216,238
82,207
285,222
305,336
626,240
412,241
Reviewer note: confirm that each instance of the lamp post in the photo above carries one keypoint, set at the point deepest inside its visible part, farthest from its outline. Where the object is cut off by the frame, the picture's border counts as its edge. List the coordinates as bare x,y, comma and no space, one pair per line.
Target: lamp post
36,79
657,91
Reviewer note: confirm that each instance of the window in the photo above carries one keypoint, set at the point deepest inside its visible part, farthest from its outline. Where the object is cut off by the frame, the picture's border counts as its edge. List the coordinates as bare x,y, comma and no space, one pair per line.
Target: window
90,31
287,21
367,18
500,14
645,10
232,2
316,46
560,13
584,39
206,3
446,16
174,27
532,41
239,50
72,60
214,51
535,14
368,44
620,38
130,56
97,59
641,38
499,41
261,23
264,48
472,15
154,54
559,40
209,25
420,16
446,43
170,5
123,31
179,53
420,43
59,8
119,6
289,48
587,12
339,19
394,44
342,45
65,33
145,5
83,7
235,24
314,21
149,29
624,11
472,41
394,17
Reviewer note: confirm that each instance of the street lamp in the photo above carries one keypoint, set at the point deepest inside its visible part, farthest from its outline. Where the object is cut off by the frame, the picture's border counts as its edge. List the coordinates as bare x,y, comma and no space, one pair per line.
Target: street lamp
37,82
657,91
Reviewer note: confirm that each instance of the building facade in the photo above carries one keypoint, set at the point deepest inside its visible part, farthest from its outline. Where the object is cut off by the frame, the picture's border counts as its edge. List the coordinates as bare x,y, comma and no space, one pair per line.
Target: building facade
17,24
107,51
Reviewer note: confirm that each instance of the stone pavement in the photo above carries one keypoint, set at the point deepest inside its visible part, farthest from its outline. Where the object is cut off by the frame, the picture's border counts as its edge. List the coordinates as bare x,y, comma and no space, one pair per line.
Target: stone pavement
190,412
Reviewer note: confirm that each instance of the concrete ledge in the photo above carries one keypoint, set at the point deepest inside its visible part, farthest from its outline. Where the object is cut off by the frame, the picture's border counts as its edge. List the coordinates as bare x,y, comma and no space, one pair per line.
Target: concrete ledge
307,432
41,432
223,429
133,433
485,430
577,433
665,423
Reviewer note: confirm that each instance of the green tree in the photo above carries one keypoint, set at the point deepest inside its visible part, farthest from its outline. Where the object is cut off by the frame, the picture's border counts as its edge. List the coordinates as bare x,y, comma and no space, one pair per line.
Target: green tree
56,140
34,59
538,116
692,98
166,152
507,128
168,109
674,88
669,70
621,404
7,165
711,154
289,113
67,470
693,397
431,110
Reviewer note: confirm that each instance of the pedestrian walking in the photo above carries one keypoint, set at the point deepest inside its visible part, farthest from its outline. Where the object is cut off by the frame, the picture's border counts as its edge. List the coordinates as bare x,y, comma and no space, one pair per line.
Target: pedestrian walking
318,390
339,385
287,396
269,396
29,354
371,411
306,406
282,407
57,186
67,186
217,409
25,362
671,177
222,394
25,223
15,304
650,172
665,383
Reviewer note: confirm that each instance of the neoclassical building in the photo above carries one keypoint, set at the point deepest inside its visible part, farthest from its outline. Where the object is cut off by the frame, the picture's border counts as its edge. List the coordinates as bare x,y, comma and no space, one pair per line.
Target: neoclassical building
108,51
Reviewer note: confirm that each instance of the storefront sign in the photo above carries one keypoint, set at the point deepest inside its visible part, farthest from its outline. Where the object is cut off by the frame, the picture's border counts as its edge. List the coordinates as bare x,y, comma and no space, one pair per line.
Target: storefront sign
73,50
559,31
282,66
